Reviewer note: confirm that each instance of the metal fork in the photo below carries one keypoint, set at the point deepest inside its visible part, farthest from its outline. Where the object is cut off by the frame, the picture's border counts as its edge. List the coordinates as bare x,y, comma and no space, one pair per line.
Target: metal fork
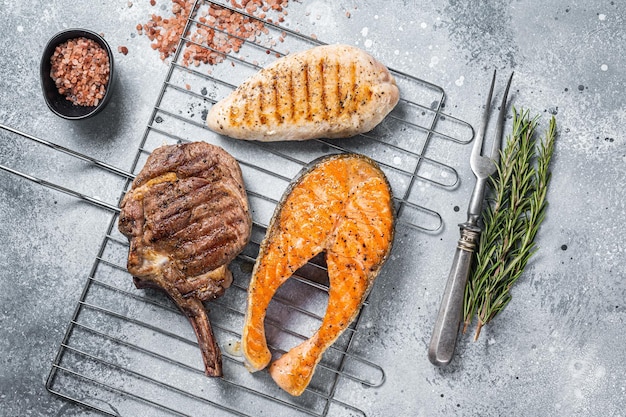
445,332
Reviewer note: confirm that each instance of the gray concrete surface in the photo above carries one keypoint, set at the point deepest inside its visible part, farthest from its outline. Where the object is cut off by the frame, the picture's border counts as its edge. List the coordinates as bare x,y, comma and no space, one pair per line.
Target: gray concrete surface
558,349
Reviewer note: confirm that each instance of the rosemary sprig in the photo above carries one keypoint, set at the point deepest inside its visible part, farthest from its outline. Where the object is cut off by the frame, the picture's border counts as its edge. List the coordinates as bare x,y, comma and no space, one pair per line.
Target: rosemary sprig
511,218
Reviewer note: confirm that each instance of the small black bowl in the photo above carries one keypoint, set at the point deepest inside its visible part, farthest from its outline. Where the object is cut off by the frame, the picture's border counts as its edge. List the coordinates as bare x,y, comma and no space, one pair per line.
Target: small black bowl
57,102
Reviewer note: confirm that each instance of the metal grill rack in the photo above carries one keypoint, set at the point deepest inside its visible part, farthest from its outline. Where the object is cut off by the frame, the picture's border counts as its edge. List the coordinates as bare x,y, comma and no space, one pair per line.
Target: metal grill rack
130,352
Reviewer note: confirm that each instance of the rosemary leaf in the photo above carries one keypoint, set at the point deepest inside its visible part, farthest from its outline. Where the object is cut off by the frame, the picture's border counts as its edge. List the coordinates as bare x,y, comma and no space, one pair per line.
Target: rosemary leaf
514,211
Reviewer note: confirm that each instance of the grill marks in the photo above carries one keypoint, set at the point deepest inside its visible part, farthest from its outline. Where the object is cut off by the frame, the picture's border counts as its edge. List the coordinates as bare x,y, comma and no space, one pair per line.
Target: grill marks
331,91
189,204
274,92
313,91
307,94
290,102
349,101
181,215
324,107
187,217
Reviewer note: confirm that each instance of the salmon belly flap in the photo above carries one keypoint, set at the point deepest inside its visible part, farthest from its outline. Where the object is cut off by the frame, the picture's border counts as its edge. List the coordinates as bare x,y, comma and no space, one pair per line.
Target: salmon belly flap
341,206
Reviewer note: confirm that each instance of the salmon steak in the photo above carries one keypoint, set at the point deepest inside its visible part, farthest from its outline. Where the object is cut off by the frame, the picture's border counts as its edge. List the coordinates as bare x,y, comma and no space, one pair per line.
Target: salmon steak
186,217
341,206
330,91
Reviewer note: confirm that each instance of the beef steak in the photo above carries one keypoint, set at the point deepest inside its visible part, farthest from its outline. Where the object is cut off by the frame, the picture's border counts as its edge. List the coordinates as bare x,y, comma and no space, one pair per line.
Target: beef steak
186,217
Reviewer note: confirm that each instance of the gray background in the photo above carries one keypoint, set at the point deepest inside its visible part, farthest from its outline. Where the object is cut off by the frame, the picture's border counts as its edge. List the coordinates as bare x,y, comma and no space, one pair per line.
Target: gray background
557,349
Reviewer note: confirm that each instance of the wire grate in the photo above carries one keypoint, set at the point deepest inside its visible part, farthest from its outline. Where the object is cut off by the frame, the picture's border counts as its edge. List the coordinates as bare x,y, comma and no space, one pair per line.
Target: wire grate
130,352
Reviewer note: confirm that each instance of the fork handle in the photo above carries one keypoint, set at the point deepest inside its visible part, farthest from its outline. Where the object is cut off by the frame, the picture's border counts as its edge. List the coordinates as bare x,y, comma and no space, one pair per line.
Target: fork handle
445,332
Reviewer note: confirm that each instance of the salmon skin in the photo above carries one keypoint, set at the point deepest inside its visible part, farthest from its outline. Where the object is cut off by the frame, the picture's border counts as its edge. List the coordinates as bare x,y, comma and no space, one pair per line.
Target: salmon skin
342,206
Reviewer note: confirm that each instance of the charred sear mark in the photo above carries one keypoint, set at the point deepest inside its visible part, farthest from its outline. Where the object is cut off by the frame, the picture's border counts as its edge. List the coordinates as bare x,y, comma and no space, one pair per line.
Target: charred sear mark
275,98
291,97
323,111
307,95
261,106
350,102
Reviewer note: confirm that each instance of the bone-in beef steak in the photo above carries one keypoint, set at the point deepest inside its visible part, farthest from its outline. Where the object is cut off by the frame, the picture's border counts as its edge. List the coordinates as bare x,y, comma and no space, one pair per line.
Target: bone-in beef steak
186,216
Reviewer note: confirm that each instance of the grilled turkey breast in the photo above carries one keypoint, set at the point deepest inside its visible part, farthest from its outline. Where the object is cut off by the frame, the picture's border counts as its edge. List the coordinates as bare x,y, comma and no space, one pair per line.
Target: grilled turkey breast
331,91
186,216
